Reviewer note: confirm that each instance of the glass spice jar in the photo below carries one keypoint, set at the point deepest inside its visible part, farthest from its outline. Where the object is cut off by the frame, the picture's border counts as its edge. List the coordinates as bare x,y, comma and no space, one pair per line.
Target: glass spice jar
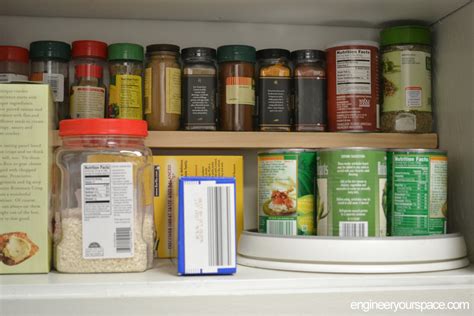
88,92
199,88
310,90
236,87
14,64
49,64
126,85
163,87
104,221
274,90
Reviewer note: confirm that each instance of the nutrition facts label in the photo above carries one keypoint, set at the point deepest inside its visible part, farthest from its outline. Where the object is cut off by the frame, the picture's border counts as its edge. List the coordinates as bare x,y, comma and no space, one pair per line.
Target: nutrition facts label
353,71
107,210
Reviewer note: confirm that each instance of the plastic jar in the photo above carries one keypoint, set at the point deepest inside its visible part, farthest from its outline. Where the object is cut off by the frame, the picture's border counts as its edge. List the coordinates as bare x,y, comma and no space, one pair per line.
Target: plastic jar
199,88
310,90
49,64
274,90
126,84
105,217
236,87
14,64
163,87
88,92
406,71
90,53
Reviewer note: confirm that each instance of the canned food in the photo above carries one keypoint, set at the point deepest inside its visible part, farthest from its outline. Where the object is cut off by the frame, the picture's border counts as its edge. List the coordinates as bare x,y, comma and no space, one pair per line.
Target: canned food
286,192
417,191
353,86
351,192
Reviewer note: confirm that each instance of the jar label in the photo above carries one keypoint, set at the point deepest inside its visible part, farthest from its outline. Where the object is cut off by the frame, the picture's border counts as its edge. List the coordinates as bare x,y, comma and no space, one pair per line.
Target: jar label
240,90
148,84
173,90
107,210
125,100
353,71
12,77
274,101
310,102
200,99
55,81
87,102
406,81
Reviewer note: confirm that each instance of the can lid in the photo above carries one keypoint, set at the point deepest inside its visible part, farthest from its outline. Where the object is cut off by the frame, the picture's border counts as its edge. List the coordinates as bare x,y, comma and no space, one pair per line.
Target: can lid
406,34
88,70
236,53
84,127
308,54
354,43
162,47
87,48
50,50
124,51
354,149
418,151
273,53
14,53
198,52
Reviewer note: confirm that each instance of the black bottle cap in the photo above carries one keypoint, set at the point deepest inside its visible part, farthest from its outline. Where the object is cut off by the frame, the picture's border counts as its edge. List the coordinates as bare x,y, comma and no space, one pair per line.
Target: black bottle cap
198,53
162,47
273,53
308,54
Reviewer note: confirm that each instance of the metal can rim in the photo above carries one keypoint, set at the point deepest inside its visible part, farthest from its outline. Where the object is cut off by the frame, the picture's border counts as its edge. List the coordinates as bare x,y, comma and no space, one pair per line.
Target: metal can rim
355,149
282,151
418,150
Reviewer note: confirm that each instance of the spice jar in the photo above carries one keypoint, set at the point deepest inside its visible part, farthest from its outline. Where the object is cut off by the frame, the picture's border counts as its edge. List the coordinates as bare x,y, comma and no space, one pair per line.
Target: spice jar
105,218
406,70
199,88
274,90
310,90
88,92
236,87
49,64
125,90
14,64
163,87
90,53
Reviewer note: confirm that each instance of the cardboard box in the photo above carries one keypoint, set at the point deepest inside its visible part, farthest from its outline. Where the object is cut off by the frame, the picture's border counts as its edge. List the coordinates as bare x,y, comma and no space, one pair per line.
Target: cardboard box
168,170
26,113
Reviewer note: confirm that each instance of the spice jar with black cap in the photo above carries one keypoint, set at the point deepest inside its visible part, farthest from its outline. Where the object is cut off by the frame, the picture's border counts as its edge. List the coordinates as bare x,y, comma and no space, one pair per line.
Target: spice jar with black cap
310,90
163,87
199,88
274,90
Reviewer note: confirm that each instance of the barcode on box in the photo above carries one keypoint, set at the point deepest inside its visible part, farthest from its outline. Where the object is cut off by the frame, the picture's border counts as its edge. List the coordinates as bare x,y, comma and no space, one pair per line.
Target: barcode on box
56,82
219,230
123,240
281,227
353,229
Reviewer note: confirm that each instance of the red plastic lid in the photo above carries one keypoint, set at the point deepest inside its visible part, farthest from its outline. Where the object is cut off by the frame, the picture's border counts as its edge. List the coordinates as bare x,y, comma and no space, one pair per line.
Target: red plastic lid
83,127
88,70
14,53
89,49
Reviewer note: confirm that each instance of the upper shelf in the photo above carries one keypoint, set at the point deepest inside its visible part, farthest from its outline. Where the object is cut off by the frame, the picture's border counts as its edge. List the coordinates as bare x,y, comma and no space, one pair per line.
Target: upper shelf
360,13
183,139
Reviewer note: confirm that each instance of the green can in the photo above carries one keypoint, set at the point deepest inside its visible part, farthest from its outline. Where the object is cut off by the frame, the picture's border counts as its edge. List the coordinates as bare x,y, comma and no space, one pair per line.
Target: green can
351,192
417,192
286,192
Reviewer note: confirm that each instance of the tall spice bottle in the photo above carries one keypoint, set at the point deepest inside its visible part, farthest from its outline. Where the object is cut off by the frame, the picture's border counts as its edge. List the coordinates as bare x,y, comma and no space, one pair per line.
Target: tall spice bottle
236,87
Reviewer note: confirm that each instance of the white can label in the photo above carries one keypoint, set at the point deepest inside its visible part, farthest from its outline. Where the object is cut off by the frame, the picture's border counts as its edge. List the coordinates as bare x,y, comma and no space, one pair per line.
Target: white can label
56,82
353,73
12,77
107,210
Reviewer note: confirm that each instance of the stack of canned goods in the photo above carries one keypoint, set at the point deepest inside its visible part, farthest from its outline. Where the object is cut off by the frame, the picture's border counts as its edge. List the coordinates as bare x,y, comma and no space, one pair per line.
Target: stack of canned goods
353,192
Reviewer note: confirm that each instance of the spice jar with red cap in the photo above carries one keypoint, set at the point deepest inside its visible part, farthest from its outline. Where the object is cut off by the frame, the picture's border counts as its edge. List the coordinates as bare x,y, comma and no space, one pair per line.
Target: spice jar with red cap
91,53
88,92
14,64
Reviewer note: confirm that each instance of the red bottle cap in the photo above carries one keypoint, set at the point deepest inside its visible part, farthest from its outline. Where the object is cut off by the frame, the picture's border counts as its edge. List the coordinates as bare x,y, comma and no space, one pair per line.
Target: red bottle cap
84,127
88,70
89,49
14,53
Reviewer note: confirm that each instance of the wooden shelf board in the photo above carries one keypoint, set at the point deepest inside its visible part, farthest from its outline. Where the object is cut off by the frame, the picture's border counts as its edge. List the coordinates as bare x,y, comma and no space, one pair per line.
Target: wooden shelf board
233,140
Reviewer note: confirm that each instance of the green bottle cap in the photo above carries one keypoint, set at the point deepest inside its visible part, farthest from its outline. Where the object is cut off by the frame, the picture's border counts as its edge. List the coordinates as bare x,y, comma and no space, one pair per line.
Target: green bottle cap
50,50
409,34
236,53
125,51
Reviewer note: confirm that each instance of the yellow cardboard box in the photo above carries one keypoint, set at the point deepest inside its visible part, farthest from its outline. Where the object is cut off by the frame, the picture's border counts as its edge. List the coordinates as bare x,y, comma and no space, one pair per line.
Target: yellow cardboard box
168,170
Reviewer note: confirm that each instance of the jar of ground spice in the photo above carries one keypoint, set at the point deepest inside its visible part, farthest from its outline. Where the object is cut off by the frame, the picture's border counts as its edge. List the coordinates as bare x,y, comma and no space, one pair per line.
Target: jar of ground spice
310,90
199,88
88,92
236,87
406,70
163,87
274,90
14,64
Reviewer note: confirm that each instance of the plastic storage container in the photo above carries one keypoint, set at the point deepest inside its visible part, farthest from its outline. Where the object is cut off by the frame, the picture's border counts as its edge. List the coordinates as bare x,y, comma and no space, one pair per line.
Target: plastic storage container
14,64
104,221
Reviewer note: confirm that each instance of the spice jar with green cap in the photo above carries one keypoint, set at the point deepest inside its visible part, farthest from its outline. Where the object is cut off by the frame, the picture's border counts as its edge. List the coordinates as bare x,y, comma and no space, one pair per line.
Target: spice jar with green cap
406,73
126,84
49,64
